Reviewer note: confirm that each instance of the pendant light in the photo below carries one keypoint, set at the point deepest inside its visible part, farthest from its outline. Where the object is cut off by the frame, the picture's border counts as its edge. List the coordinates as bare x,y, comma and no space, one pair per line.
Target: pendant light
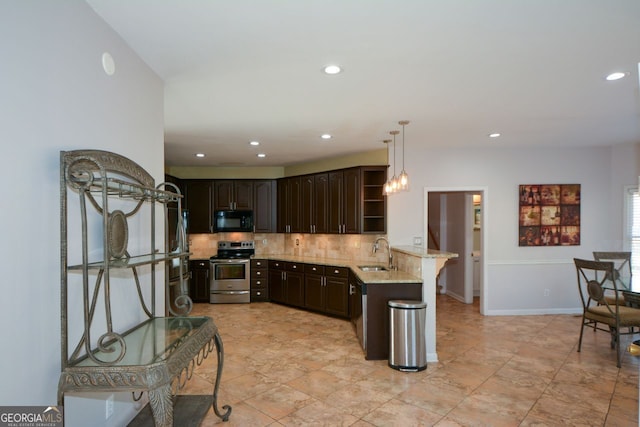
403,179
394,181
386,188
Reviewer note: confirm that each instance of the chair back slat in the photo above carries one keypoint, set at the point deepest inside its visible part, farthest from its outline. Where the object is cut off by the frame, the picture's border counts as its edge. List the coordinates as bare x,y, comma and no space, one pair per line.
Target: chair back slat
593,282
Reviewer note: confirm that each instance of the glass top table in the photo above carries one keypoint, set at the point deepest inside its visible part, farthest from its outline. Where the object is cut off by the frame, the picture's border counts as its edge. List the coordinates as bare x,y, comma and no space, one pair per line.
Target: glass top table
155,356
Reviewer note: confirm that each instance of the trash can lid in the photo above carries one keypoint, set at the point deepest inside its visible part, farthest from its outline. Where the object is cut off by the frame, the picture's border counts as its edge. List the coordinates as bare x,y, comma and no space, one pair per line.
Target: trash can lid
409,304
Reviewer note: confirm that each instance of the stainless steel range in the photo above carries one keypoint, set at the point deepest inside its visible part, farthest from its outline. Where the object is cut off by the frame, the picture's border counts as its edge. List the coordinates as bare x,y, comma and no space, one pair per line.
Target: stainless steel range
230,275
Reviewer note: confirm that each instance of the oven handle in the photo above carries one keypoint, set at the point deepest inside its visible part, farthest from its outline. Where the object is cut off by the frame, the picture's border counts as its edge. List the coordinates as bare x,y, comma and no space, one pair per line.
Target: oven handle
230,292
230,261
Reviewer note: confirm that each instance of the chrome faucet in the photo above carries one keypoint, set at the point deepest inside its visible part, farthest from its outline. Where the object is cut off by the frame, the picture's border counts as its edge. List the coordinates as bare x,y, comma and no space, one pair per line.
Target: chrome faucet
376,246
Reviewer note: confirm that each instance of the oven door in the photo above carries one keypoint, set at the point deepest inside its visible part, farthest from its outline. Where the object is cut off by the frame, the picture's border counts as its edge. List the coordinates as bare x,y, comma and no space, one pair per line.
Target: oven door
230,281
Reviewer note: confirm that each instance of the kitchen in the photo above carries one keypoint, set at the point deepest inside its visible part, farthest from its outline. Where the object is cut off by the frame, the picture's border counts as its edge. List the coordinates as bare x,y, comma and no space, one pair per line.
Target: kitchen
233,244
50,97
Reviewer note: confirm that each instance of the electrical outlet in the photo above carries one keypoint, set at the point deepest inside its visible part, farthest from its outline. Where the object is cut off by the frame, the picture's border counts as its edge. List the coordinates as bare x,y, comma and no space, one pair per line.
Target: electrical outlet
109,407
546,292
417,241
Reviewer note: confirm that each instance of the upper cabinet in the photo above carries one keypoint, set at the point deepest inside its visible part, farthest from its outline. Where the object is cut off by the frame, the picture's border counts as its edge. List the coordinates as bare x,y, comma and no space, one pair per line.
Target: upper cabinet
314,203
233,194
204,196
346,201
289,205
199,202
264,205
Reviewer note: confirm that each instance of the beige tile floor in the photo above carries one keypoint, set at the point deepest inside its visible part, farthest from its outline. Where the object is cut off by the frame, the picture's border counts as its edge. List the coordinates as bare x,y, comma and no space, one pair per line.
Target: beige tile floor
284,366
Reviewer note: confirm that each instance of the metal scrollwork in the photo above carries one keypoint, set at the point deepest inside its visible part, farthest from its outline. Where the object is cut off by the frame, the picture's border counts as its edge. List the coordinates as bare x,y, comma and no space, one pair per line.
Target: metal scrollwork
106,345
183,304
157,355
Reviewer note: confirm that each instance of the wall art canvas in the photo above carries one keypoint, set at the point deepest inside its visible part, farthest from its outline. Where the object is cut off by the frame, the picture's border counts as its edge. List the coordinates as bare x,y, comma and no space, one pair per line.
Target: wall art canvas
549,215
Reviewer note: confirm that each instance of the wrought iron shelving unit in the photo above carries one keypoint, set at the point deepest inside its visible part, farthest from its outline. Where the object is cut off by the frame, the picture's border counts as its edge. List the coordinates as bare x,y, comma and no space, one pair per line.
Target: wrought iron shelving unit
155,354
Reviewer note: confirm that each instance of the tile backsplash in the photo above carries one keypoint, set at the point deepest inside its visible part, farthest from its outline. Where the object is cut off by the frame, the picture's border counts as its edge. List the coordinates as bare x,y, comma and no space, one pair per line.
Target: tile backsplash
336,246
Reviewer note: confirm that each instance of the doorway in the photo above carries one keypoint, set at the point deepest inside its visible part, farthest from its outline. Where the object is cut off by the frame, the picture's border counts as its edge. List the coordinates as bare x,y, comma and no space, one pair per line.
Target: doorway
455,222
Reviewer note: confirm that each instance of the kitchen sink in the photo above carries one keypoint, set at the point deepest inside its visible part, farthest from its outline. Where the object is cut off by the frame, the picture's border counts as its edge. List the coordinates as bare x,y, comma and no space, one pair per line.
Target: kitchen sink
369,268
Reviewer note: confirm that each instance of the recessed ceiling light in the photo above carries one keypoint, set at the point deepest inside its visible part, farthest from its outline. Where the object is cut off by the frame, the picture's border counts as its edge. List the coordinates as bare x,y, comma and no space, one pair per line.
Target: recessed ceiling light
199,154
325,136
494,135
616,76
332,69
262,155
254,143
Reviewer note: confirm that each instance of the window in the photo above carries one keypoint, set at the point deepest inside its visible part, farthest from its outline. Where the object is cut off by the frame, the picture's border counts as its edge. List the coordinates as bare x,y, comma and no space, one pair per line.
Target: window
632,227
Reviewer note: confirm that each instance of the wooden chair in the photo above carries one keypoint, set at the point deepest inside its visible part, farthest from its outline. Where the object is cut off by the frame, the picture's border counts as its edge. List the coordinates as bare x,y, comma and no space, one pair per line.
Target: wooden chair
592,283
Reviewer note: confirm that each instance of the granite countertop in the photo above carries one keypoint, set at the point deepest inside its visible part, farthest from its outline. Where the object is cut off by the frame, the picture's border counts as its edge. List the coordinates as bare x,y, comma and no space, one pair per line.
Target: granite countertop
423,252
368,277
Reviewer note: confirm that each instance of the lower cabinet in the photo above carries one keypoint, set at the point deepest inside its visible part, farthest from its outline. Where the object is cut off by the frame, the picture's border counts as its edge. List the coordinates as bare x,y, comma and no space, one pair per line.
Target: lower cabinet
294,284
314,289
199,284
327,289
276,281
286,283
259,280
337,290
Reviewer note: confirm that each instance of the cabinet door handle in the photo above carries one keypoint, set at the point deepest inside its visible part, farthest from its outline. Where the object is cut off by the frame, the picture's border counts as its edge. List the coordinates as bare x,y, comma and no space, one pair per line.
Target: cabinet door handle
352,289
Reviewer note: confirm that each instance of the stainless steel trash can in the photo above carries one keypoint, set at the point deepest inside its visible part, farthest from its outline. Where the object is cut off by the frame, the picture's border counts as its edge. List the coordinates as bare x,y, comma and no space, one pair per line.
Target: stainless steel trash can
407,344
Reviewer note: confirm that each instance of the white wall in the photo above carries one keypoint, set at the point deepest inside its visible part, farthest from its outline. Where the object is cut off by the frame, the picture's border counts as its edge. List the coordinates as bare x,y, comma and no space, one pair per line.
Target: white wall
516,277
56,96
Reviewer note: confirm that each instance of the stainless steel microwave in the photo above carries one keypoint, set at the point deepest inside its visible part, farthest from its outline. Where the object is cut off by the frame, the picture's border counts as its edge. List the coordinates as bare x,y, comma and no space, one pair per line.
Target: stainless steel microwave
228,220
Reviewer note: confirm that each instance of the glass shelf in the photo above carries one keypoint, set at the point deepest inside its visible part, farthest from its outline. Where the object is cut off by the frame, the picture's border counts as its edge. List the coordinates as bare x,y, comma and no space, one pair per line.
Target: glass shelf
149,342
134,261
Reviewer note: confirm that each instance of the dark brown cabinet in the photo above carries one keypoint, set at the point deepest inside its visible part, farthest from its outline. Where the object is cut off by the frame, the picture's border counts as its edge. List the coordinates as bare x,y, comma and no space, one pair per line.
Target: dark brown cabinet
289,203
337,291
259,280
276,282
294,284
199,285
286,283
327,289
314,295
233,194
199,202
344,201
314,206
264,206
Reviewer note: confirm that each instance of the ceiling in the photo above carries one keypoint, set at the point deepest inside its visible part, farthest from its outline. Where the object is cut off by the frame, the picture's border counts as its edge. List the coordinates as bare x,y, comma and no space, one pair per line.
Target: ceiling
242,70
